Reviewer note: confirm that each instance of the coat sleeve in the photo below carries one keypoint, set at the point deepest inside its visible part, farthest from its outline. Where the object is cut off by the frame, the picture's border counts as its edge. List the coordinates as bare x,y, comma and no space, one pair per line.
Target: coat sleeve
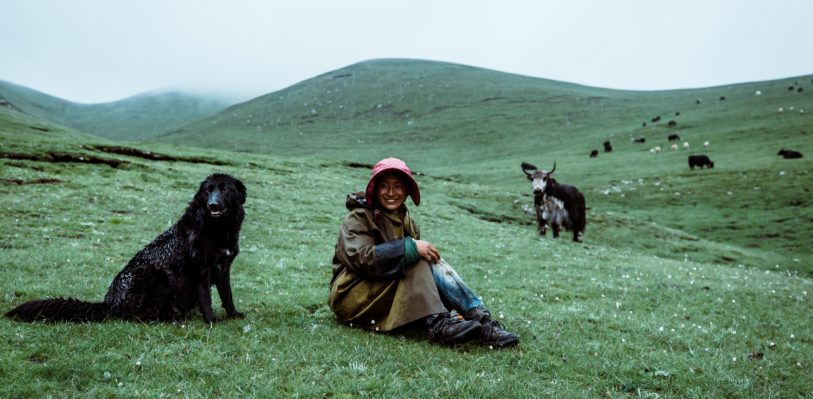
358,251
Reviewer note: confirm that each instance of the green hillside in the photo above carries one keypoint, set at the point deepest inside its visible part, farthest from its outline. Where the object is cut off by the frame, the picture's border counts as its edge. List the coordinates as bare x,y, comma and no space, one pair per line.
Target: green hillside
135,118
475,125
421,109
608,318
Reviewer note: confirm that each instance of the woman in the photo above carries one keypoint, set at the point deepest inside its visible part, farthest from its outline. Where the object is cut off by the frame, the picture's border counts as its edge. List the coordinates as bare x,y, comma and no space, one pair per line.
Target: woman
385,276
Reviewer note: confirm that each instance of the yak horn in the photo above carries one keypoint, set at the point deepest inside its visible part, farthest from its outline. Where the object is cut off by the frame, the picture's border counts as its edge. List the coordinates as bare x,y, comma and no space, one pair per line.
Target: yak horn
526,167
554,168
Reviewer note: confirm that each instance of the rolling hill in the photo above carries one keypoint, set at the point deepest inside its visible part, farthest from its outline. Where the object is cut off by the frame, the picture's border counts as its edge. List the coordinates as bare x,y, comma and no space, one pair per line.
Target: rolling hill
422,109
135,118
476,125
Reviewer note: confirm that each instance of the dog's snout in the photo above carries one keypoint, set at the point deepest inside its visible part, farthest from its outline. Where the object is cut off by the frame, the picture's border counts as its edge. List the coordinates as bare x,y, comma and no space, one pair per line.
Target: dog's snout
214,203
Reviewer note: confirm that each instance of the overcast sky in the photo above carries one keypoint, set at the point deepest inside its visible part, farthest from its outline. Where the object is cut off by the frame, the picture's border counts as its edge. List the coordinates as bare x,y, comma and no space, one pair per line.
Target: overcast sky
96,51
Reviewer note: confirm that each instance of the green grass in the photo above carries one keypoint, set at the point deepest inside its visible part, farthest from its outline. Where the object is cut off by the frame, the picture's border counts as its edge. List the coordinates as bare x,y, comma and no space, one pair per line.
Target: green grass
668,297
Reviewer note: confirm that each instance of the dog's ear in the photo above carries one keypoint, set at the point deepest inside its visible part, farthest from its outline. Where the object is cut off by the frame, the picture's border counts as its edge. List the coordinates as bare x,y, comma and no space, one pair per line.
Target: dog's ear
201,195
241,188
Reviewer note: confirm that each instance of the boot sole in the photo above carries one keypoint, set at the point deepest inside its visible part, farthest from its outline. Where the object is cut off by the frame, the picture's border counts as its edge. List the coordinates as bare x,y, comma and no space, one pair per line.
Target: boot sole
463,336
505,344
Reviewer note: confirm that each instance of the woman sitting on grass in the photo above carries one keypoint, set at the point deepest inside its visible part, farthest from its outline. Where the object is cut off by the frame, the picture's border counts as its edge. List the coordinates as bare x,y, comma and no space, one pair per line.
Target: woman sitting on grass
385,276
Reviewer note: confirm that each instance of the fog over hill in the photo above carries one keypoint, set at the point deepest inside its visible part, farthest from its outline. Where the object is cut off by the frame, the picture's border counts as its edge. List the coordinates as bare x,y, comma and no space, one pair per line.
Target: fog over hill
134,118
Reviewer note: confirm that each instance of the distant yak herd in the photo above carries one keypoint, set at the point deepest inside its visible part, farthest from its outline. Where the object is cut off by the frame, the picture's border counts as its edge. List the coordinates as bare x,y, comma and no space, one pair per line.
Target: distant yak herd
562,207
699,160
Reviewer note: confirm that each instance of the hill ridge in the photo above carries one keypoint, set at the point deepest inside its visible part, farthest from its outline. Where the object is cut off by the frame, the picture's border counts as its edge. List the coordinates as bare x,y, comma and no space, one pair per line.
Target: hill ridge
137,117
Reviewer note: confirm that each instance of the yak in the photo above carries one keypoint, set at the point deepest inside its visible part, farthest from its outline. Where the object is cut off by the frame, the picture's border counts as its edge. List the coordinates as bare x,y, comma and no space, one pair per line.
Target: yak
548,191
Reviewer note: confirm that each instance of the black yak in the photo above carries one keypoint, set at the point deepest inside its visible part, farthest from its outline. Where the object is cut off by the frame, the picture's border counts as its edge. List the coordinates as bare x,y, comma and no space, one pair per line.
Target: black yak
547,191
789,154
700,161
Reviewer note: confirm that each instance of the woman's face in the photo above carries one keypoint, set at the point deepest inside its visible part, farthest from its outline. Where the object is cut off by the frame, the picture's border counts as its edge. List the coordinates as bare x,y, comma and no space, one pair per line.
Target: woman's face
391,191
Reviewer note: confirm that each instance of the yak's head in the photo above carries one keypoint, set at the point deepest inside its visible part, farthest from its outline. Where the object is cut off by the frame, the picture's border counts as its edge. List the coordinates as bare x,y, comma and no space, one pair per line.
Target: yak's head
539,178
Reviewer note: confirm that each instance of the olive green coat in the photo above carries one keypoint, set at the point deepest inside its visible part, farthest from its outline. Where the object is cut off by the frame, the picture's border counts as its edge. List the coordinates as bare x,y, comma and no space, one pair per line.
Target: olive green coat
372,285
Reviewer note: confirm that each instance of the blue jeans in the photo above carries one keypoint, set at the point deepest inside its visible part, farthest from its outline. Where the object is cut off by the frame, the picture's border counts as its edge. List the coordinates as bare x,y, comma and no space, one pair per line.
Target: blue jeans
454,293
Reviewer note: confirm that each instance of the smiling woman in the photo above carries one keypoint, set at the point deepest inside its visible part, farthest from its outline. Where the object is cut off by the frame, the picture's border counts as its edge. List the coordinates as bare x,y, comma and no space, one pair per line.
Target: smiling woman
391,192
385,276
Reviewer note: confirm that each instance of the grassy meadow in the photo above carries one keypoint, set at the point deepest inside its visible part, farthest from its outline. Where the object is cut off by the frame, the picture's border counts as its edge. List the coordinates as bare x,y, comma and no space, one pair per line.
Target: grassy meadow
690,284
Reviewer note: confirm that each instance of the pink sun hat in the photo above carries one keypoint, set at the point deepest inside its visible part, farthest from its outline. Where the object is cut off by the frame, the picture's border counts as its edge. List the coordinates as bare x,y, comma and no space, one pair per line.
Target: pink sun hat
393,165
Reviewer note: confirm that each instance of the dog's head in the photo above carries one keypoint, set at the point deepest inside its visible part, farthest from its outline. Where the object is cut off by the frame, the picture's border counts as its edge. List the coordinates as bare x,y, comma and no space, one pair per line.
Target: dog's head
220,194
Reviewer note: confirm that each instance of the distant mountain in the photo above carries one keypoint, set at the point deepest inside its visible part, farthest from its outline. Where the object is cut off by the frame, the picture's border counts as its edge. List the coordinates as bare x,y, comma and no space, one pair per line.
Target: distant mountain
445,113
135,118
379,102
26,134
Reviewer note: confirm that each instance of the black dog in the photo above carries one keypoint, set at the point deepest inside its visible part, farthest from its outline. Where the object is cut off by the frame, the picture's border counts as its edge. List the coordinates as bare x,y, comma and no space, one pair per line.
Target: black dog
174,273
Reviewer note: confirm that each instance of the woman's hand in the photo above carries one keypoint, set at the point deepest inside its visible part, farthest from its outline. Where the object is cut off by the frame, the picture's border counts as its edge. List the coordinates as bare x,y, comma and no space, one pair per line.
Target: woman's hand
427,251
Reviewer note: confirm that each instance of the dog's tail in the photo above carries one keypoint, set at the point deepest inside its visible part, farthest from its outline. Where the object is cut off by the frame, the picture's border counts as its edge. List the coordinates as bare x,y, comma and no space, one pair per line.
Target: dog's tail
60,309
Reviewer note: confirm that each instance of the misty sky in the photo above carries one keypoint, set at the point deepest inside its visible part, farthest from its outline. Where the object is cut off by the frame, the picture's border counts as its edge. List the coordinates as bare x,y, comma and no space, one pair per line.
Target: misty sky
96,51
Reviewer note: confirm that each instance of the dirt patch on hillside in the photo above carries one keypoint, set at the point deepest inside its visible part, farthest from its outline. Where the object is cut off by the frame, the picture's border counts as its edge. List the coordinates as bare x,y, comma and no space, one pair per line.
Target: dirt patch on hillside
21,182
64,157
152,156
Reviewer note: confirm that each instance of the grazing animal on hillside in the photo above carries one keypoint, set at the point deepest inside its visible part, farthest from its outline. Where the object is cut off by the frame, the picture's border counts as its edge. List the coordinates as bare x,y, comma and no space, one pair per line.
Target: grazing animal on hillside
673,137
546,188
674,146
722,98
607,146
789,154
706,144
672,124
685,145
655,150
593,153
697,101
640,140
700,161
174,273
657,118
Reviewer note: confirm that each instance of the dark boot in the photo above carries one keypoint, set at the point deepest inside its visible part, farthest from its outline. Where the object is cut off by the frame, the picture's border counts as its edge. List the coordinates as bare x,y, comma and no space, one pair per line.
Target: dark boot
445,329
491,331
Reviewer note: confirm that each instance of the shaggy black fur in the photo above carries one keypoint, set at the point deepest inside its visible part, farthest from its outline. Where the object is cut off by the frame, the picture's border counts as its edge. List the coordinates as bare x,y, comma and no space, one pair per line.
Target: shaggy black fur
173,274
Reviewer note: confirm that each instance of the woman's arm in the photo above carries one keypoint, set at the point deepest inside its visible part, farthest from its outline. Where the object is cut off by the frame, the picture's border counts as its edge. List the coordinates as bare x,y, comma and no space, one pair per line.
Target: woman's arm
358,251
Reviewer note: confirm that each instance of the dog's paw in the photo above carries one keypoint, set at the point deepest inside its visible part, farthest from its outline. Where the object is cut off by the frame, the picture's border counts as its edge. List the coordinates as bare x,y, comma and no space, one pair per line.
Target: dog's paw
237,315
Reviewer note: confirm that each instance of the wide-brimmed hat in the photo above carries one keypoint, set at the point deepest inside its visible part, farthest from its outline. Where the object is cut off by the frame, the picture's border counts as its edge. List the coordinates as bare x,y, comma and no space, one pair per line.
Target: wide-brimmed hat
392,165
